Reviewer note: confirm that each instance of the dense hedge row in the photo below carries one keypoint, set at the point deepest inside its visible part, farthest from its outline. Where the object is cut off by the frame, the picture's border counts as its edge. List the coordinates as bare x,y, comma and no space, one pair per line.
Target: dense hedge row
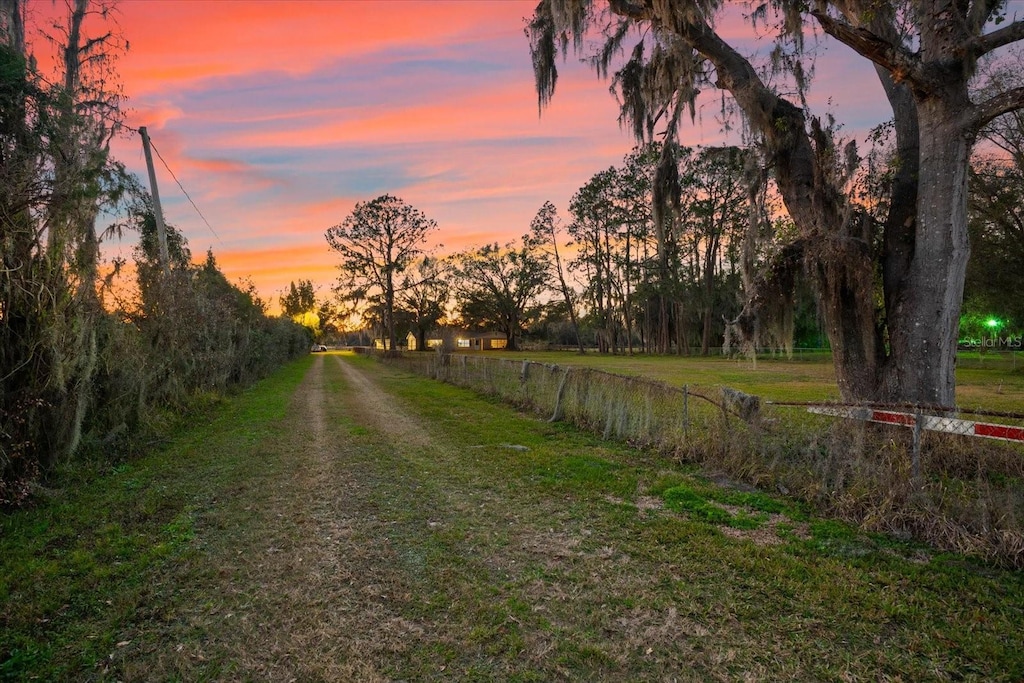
87,366
105,393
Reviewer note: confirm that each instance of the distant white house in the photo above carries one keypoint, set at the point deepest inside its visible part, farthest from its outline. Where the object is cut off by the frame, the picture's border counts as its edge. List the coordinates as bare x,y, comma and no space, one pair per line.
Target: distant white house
482,341
464,341
381,344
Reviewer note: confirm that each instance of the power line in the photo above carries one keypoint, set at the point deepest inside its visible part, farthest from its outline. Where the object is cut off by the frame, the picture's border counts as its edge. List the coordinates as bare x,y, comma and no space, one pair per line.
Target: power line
185,192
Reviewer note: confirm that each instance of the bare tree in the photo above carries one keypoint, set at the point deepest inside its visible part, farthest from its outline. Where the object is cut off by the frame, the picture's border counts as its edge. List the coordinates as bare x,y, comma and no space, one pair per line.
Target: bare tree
925,54
377,242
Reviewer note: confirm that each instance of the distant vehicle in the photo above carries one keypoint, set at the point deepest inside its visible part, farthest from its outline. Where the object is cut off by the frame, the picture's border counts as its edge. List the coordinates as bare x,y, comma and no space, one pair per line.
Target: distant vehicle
318,347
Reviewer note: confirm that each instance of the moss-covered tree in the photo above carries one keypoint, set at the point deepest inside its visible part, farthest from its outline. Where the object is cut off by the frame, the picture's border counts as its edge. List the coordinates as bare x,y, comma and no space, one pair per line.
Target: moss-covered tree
890,291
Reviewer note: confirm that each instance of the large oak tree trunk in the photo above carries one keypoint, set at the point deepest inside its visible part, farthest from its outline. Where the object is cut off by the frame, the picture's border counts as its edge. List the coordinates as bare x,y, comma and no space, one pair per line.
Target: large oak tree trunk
909,354
924,317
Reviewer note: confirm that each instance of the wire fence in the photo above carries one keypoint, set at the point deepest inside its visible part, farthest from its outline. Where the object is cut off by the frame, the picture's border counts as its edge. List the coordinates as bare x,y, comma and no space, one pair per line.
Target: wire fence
633,409
968,357
1010,359
889,468
645,411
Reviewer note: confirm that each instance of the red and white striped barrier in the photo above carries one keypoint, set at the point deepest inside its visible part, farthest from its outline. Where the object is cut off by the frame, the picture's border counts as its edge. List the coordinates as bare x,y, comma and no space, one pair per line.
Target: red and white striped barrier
929,422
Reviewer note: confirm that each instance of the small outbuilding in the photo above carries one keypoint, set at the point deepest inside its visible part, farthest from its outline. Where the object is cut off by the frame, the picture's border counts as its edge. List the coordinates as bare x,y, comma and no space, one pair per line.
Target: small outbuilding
433,341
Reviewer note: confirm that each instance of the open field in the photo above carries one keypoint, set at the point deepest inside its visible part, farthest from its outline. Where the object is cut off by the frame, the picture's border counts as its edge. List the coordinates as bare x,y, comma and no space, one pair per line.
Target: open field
990,382
347,521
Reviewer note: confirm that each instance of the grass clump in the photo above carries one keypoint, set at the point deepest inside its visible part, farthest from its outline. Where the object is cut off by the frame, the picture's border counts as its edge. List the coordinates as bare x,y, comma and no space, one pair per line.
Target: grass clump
708,506
684,499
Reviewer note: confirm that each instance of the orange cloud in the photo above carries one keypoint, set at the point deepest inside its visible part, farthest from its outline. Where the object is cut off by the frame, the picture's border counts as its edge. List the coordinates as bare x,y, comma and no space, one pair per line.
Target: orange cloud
272,269
227,39
220,165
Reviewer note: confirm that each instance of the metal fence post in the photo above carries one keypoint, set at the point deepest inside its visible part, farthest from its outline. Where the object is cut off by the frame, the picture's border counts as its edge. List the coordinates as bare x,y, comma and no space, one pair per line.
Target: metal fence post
915,456
686,412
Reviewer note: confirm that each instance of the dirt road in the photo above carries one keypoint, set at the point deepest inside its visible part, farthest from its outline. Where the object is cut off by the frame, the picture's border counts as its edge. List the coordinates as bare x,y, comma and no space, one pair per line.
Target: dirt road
313,588
407,534
378,556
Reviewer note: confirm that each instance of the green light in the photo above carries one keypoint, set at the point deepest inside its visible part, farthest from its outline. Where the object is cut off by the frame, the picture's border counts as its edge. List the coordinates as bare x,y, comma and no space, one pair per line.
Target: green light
992,322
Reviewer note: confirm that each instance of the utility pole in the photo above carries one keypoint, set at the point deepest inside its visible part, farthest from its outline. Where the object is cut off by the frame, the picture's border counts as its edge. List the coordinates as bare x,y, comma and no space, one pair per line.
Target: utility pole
161,229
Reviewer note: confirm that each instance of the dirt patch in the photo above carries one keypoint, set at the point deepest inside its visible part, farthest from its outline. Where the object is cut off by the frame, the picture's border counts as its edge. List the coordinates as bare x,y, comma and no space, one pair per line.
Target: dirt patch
643,504
378,409
767,533
551,545
649,503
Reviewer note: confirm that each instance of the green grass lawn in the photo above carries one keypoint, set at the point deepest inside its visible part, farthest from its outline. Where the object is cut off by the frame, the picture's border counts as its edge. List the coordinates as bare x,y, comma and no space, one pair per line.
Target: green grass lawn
93,557
425,533
992,383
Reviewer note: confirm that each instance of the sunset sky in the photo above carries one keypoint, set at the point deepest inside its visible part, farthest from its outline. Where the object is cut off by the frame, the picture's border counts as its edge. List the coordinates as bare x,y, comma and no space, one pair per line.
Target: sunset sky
277,117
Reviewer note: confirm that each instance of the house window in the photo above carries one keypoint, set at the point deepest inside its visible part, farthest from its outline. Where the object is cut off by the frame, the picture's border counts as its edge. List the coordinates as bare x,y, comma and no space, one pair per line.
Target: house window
499,343
462,343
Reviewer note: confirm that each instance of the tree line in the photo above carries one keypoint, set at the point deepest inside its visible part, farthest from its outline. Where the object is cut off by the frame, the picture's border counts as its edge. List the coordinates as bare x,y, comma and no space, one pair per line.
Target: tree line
93,361
606,277
611,276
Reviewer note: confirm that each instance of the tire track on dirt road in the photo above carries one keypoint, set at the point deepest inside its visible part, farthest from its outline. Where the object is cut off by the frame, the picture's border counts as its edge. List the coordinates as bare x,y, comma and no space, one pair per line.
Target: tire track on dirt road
374,546
346,594
378,409
307,587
